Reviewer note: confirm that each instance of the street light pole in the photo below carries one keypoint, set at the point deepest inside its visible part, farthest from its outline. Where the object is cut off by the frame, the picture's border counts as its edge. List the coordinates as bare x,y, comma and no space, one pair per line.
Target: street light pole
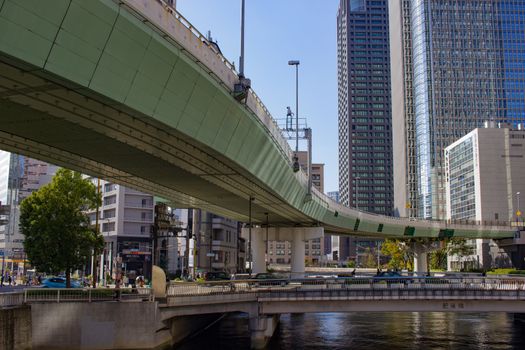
296,64
241,59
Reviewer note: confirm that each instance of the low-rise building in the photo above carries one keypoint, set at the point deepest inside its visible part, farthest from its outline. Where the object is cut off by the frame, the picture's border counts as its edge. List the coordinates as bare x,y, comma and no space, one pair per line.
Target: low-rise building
217,243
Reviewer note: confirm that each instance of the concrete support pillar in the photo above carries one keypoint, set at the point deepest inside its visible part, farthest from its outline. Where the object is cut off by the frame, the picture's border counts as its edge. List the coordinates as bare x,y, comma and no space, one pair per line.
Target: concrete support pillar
296,235
261,329
297,270
420,258
258,251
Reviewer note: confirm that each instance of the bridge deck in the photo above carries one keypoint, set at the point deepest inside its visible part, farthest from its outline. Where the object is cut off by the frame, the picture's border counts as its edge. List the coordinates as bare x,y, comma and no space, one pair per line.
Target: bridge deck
349,294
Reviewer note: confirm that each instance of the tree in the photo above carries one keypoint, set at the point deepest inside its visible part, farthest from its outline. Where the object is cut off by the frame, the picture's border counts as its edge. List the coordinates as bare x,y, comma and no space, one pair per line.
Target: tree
401,256
53,219
369,259
454,246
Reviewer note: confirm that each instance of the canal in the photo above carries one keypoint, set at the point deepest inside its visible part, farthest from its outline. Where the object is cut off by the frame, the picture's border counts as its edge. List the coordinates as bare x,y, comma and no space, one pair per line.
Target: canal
372,331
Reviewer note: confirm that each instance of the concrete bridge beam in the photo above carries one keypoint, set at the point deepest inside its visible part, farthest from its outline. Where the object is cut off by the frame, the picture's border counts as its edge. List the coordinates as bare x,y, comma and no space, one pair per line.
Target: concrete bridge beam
262,328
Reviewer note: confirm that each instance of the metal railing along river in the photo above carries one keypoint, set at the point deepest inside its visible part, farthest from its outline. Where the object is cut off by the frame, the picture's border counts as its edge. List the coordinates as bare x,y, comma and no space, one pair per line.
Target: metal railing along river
87,294
60,295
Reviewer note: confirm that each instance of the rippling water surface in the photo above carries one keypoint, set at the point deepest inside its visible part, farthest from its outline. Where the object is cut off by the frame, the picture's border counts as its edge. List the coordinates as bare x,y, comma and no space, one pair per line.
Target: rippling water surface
373,331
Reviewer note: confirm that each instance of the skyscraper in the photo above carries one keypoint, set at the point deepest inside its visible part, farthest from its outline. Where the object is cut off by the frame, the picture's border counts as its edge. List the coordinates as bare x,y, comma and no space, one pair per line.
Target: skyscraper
365,137
455,64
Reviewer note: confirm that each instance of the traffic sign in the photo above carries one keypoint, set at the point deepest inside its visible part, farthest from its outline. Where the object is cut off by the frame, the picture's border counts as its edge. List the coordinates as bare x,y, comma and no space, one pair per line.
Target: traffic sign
518,212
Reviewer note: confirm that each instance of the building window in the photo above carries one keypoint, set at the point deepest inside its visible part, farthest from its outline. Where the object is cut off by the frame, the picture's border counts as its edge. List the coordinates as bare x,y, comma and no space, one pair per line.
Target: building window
357,5
110,200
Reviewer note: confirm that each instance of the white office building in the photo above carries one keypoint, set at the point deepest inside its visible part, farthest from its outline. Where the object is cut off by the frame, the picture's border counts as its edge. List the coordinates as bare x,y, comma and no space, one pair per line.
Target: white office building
484,180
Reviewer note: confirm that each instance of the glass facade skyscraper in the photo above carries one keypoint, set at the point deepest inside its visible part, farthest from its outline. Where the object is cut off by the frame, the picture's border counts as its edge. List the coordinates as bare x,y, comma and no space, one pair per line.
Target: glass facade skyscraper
458,64
365,136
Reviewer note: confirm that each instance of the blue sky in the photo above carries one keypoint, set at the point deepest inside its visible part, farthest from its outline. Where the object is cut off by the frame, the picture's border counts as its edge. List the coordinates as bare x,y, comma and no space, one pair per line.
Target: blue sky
278,31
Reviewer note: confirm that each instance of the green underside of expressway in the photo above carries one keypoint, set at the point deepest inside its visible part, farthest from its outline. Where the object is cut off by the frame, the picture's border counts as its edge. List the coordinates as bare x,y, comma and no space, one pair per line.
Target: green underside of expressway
87,85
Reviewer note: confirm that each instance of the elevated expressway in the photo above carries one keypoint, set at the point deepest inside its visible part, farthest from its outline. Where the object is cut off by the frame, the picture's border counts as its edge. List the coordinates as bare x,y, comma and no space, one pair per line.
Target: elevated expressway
129,91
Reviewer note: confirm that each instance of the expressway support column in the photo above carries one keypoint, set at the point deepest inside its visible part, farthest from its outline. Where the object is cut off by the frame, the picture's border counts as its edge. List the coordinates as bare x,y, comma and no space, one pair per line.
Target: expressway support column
261,329
296,235
420,258
258,250
297,268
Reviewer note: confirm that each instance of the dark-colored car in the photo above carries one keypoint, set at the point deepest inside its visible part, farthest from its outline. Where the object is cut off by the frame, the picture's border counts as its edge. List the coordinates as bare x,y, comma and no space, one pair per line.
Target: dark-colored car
217,276
270,279
392,277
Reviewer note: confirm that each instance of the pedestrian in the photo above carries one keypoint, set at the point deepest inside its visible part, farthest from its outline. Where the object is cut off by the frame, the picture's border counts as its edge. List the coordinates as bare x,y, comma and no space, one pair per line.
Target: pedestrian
9,279
118,281
2,281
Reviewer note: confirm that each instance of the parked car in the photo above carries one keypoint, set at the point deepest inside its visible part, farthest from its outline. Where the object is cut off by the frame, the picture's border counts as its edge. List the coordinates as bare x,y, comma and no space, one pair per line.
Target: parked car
389,274
58,282
217,276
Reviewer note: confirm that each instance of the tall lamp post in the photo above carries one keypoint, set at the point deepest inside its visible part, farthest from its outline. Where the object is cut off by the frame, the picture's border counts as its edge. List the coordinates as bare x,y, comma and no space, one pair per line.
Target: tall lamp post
296,64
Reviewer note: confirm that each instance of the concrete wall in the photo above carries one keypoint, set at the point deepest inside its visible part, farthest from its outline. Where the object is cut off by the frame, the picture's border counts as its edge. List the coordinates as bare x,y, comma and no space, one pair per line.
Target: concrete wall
184,327
98,326
15,328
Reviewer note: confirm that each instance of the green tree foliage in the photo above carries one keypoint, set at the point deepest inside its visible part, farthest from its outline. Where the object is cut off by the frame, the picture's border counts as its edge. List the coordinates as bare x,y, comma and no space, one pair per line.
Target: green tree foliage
370,259
58,236
453,246
401,256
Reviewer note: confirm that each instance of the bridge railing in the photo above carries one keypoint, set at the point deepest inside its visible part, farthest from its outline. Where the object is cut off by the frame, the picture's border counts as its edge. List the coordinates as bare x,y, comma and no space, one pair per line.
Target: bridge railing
32,295
11,299
414,221
445,284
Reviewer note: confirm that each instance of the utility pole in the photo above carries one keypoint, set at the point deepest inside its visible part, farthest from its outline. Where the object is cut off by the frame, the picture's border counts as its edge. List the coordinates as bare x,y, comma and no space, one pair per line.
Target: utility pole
250,256
94,269
189,233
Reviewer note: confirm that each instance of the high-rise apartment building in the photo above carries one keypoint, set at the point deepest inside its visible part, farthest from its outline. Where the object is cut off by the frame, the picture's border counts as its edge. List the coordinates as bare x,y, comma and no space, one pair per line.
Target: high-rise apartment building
19,177
125,219
455,64
365,135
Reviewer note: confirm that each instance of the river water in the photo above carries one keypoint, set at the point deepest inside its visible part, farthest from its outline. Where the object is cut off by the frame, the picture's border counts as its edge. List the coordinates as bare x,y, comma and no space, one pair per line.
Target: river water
372,331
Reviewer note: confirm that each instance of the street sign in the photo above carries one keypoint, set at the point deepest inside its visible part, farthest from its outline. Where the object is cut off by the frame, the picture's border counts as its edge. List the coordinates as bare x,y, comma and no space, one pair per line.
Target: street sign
210,255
